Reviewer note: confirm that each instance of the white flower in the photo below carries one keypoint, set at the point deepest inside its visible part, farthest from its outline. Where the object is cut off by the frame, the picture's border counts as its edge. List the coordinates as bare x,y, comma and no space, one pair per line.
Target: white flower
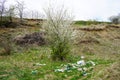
81,62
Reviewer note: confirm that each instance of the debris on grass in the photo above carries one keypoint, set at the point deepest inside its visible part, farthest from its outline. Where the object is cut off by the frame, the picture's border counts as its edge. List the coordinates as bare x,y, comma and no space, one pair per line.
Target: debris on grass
82,57
39,64
83,66
81,62
34,72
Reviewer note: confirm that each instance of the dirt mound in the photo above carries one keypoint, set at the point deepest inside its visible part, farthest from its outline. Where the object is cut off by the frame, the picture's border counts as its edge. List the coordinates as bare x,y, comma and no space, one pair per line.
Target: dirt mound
92,29
113,26
36,38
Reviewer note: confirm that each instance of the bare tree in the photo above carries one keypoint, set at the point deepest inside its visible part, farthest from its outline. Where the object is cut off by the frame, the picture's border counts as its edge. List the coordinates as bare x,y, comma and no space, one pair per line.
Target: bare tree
39,15
59,31
2,8
115,19
20,6
32,14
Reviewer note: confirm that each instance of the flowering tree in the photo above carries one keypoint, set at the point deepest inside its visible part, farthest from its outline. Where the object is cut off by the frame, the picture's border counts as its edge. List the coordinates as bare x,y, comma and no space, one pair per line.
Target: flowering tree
59,31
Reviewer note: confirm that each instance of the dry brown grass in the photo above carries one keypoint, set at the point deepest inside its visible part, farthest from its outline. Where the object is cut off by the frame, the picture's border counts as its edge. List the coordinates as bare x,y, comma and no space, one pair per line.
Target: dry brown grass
92,28
112,72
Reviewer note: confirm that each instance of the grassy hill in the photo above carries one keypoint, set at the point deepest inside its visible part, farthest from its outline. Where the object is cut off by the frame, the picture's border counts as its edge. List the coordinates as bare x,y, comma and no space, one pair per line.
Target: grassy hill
97,43
90,22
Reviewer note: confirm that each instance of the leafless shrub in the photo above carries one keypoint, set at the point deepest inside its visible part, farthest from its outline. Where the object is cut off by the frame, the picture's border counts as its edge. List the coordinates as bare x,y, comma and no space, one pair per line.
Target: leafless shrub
20,7
2,8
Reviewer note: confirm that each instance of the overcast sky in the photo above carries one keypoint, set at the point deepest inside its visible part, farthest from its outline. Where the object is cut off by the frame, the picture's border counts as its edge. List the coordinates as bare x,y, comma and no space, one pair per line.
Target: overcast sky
81,9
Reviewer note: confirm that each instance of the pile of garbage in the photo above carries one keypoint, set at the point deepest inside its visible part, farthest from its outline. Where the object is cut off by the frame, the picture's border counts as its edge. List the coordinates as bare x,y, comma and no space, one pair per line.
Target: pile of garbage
83,66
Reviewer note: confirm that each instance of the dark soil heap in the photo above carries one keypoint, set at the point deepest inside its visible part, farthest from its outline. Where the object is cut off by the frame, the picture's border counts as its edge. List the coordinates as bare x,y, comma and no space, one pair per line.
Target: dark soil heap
36,38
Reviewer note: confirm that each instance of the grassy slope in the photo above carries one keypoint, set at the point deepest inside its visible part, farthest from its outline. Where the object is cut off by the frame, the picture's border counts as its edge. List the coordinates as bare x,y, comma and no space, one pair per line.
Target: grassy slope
105,54
90,22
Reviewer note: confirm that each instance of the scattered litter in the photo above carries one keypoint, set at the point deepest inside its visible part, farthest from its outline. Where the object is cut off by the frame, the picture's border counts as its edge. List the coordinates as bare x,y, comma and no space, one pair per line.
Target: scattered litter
34,72
82,57
59,70
84,74
79,69
84,69
38,64
82,66
92,63
81,62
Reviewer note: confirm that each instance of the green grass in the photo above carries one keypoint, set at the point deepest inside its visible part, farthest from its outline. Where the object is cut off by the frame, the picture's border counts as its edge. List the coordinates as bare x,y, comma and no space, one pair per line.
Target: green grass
21,65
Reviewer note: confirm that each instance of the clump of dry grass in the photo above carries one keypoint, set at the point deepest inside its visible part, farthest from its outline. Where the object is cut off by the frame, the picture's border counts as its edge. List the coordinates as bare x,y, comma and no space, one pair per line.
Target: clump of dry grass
113,72
49,76
6,48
